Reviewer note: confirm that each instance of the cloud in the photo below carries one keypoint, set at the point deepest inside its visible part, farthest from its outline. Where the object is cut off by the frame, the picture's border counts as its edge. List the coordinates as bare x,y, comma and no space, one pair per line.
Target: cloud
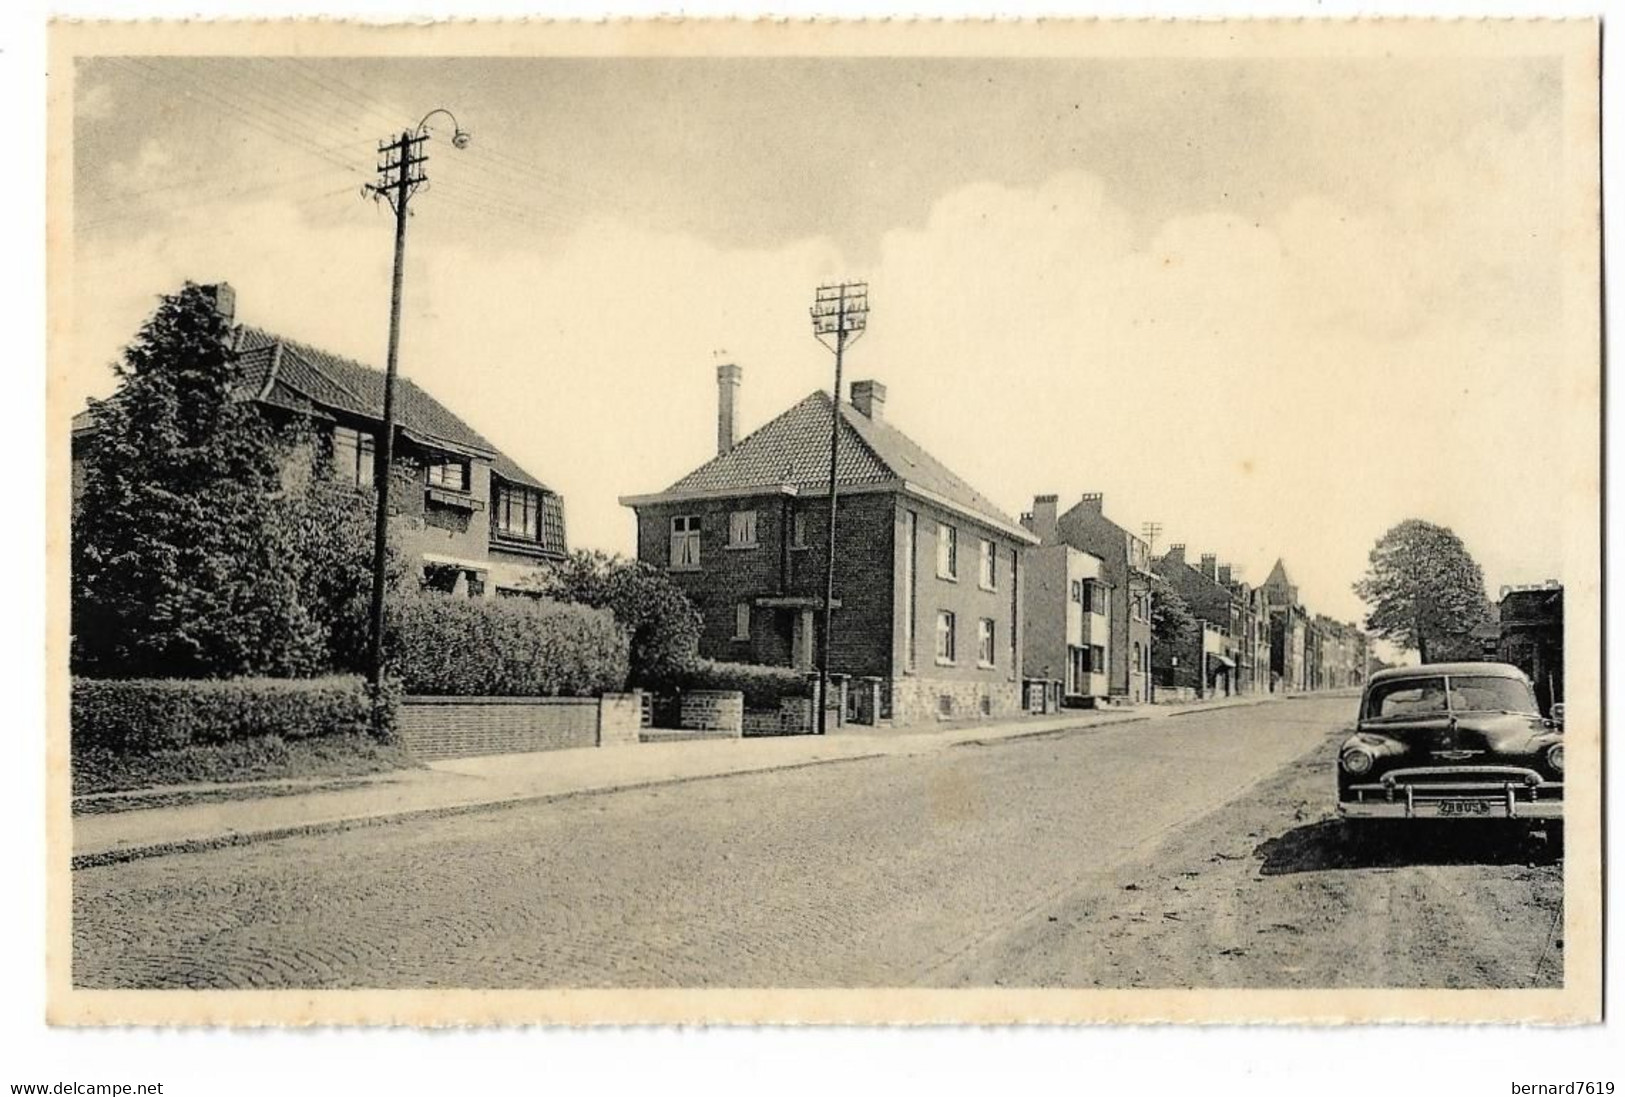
1289,385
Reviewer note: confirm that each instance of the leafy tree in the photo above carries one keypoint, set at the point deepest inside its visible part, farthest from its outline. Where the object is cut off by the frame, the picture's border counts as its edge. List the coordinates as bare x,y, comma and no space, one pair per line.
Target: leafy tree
660,621
1425,590
181,566
329,525
1172,622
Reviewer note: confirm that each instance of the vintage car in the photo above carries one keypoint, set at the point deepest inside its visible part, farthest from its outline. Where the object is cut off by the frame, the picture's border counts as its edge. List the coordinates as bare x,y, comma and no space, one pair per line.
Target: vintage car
1452,741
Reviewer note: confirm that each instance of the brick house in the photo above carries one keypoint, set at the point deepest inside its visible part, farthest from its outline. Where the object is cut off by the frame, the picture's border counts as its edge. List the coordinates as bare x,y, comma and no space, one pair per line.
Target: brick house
464,515
1530,636
1208,661
1291,647
1067,633
1125,569
928,572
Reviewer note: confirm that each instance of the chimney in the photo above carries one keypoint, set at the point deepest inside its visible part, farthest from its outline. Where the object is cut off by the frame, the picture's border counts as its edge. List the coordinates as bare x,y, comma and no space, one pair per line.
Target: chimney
1175,554
225,301
1210,566
1044,516
869,397
1224,574
1094,502
728,377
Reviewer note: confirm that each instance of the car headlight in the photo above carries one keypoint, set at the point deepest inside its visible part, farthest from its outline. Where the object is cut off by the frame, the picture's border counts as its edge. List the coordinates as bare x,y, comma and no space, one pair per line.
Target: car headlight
1554,757
1357,761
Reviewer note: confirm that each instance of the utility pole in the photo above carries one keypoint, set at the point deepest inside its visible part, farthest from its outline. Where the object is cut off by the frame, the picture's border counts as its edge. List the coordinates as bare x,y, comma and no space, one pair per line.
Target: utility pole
1149,532
841,311
400,174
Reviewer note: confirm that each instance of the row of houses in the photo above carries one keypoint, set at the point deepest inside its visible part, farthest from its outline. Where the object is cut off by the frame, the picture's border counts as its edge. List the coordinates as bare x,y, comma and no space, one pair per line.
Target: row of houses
944,605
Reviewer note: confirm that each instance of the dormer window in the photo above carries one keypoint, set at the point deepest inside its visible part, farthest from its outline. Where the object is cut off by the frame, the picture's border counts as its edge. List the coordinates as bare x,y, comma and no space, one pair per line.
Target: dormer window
447,472
516,512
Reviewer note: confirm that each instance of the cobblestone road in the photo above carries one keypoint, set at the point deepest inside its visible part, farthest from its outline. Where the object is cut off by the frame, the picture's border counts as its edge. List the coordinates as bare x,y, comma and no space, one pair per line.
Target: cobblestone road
892,871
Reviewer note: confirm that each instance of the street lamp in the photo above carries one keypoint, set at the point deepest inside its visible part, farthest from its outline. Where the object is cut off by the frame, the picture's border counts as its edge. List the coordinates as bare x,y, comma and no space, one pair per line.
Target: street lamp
399,176
840,315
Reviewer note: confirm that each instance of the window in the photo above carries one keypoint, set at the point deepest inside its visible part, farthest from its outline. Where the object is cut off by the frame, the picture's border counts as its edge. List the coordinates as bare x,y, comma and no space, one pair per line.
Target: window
947,551
685,541
798,530
445,471
517,512
742,621
1094,597
988,575
911,538
353,457
1139,658
1077,591
742,529
1097,659
945,636
985,650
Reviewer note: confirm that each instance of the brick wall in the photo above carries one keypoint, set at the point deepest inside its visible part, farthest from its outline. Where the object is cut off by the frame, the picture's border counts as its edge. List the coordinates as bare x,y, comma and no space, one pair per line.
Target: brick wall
713,710
456,727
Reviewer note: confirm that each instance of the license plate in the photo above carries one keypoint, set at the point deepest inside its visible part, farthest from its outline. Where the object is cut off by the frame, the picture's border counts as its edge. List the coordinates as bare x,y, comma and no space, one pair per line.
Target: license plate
1464,807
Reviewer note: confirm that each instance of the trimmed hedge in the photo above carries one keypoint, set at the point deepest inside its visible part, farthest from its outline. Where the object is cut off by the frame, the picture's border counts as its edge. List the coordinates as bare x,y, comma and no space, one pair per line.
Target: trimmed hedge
764,687
143,715
440,644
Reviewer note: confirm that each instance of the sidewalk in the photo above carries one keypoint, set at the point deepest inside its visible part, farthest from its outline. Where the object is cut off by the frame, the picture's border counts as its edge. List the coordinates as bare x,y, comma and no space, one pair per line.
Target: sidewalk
474,784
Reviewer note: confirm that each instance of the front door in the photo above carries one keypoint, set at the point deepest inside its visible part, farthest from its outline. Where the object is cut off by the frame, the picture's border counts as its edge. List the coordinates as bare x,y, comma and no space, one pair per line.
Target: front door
801,640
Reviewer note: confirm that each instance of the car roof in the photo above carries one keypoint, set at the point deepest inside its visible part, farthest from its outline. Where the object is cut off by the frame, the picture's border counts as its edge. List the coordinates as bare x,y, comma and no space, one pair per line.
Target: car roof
1433,670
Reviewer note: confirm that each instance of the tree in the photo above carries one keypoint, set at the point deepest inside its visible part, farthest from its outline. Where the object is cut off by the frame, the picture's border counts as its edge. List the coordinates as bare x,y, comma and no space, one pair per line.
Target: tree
661,623
330,529
1425,590
1171,619
180,566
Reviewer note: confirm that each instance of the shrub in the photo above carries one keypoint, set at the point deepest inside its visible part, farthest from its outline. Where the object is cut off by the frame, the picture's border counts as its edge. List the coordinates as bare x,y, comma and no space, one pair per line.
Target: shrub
142,715
661,624
763,687
503,647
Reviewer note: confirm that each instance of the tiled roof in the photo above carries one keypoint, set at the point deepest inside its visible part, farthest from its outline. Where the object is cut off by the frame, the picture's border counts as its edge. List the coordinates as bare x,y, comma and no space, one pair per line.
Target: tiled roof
343,384
794,449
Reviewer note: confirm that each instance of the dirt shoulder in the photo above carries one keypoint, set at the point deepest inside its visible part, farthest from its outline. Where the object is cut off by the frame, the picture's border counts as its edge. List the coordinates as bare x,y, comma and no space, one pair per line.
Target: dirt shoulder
1272,891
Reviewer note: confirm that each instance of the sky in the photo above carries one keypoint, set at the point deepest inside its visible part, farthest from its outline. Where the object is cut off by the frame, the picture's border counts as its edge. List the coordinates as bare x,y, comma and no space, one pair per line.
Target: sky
1277,306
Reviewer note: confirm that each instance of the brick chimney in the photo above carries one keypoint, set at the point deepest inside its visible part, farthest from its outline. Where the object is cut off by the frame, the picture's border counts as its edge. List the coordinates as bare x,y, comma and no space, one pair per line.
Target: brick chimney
1175,554
869,397
1210,566
1043,519
225,301
1224,574
728,378
1093,502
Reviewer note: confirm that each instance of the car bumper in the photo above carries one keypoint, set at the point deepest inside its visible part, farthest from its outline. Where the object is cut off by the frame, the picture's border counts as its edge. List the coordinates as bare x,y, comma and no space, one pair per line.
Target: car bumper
1460,807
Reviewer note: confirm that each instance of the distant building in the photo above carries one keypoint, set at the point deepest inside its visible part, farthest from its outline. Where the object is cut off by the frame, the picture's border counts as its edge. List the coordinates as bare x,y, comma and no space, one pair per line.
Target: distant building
1290,643
1208,660
1068,622
928,572
1125,569
1531,636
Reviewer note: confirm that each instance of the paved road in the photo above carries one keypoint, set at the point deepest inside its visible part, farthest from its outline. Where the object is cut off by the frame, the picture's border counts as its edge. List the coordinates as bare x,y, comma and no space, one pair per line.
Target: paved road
891,871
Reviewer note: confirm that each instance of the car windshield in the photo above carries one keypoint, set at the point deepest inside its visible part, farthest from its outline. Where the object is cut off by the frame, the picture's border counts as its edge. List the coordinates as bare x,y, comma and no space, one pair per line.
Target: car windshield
1487,694
1406,697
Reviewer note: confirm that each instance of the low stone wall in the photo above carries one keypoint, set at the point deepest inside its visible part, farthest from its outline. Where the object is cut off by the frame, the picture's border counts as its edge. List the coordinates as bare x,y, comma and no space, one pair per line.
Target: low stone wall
919,700
794,716
712,710
1176,695
459,727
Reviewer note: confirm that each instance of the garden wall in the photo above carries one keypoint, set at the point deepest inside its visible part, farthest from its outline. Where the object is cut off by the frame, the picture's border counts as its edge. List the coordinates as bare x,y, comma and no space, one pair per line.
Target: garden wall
459,727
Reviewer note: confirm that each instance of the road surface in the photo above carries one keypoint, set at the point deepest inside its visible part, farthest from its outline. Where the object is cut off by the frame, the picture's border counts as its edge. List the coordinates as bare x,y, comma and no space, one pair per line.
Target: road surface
1189,851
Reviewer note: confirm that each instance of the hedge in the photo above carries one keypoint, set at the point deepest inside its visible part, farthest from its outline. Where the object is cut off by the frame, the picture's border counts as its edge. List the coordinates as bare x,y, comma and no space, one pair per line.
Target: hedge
441,644
143,715
763,686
